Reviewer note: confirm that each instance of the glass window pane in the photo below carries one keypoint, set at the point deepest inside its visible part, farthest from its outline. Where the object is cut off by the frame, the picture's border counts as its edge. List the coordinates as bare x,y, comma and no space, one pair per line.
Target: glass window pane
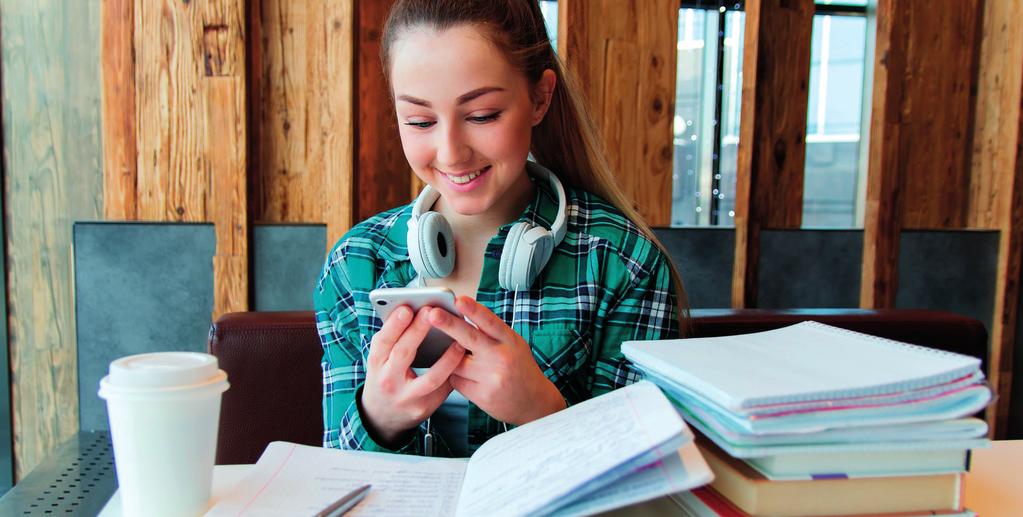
731,105
704,174
835,104
695,80
549,8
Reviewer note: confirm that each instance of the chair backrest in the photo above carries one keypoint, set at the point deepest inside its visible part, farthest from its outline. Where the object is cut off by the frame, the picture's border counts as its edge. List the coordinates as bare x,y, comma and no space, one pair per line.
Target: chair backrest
272,360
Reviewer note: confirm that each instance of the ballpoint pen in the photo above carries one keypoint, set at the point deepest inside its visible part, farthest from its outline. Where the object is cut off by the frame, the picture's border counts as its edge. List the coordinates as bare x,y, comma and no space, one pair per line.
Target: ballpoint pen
341,506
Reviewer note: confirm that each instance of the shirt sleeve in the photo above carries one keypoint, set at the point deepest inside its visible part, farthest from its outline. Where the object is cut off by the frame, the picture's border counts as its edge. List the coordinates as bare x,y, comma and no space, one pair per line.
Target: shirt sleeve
344,359
646,309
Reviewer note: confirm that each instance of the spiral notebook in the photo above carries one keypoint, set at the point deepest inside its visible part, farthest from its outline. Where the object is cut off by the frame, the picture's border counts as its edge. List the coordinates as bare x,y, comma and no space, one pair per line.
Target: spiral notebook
800,363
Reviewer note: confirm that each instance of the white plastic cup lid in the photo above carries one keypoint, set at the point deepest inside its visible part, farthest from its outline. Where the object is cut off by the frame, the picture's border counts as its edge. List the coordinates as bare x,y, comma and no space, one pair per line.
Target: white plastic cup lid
164,370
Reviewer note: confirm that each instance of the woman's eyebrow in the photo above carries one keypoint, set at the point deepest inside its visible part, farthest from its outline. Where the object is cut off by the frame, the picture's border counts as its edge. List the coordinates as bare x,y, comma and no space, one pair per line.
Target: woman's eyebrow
462,99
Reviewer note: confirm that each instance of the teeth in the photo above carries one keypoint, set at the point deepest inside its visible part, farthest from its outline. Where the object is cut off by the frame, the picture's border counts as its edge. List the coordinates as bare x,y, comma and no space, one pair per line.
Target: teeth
461,180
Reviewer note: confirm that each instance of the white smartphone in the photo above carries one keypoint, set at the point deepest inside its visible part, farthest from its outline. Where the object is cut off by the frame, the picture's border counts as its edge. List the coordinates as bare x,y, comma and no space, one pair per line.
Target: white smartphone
436,342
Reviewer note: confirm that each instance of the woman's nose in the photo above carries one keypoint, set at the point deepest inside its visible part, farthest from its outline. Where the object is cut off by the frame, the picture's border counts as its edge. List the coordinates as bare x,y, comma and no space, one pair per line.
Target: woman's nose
453,149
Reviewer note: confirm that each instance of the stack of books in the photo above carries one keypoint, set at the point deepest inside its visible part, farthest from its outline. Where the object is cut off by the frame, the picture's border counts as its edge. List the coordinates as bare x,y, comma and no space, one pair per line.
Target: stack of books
815,420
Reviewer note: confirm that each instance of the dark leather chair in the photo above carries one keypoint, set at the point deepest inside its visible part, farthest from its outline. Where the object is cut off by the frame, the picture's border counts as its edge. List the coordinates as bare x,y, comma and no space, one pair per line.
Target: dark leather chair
272,360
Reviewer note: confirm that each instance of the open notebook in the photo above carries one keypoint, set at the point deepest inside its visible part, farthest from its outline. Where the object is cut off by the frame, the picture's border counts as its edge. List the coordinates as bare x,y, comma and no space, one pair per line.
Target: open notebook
800,366
621,448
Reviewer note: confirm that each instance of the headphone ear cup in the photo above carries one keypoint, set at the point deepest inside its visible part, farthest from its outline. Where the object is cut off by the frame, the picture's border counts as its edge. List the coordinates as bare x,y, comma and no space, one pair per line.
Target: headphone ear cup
431,246
510,256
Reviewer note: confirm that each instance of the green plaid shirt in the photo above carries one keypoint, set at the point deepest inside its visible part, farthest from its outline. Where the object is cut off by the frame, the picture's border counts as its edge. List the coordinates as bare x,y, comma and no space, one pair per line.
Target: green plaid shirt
605,283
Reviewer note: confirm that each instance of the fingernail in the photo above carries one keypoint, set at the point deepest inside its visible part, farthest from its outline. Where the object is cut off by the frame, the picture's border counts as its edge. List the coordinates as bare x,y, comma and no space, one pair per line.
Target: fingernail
403,314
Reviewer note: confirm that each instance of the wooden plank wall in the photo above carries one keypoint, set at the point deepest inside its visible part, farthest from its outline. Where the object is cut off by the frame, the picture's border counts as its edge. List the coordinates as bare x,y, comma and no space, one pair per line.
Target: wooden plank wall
883,205
925,59
996,187
52,177
382,176
179,155
624,55
772,133
301,85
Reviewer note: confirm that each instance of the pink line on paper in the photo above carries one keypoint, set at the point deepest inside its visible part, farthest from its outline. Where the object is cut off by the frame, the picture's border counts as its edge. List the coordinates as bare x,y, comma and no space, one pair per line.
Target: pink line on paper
861,406
870,396
660,463
263,488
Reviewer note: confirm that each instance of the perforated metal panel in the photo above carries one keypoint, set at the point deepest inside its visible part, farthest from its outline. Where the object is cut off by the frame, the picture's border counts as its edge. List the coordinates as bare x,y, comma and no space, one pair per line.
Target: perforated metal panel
77,479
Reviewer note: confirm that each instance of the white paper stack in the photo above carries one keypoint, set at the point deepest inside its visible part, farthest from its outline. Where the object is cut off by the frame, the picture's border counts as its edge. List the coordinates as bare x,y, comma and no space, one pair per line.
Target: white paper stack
797,401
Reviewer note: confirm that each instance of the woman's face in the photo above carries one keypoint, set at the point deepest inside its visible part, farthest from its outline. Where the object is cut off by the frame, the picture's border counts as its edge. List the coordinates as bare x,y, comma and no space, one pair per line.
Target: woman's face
464,116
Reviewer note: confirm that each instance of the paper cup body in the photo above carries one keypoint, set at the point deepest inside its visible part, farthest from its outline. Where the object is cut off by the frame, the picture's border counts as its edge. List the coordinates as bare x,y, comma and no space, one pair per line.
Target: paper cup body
164,411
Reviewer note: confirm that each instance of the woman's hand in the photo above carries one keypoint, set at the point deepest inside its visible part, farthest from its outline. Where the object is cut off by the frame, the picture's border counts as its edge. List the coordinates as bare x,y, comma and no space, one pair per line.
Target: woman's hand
394,399
499,375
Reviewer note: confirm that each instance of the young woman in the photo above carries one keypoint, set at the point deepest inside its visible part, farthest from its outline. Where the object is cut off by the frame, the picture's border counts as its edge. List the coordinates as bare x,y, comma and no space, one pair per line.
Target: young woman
551,264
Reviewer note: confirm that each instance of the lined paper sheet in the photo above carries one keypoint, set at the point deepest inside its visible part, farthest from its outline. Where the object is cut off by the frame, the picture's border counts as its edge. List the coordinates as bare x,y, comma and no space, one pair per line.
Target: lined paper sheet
806,361
540,463
291,479
675,473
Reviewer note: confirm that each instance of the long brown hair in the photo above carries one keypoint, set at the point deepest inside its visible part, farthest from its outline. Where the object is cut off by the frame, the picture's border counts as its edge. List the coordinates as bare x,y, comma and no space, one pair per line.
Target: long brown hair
567,140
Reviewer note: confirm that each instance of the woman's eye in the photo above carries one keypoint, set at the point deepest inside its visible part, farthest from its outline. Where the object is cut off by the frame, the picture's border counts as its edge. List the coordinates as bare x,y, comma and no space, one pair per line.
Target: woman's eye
485,118
420,125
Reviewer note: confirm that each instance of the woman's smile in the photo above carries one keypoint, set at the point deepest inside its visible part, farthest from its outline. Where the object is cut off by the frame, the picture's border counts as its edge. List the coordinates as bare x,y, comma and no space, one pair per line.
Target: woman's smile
465,181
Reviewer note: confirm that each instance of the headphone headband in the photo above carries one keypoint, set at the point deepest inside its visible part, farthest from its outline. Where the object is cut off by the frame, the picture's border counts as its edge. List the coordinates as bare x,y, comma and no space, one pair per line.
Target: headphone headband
559,226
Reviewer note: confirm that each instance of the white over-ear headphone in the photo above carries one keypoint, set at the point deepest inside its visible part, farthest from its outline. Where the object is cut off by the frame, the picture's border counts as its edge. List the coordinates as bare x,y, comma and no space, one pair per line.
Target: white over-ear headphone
431,245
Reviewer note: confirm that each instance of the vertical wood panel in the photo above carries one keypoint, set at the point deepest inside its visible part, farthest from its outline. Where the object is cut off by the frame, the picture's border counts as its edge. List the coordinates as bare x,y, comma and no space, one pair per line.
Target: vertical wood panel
336,120
117,57
624,54
883,212
772,143
192,128
286,50
52,177
921,125
999,81
300,86
382,175
937,111
996,193
173,174
226,151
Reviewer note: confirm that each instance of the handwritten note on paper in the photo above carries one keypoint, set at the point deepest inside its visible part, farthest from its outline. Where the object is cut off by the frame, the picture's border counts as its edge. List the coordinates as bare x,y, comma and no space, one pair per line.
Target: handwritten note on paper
292,479
675,473
528,469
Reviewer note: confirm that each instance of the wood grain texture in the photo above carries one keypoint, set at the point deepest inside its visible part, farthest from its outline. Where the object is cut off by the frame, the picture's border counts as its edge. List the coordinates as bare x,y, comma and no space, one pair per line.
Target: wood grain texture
335,95
300,86
772,134
192,143
117,57
226,130
624,53
999,79
996,186
883,212
937,111
921,123
227,151
52,177
382,174
173,172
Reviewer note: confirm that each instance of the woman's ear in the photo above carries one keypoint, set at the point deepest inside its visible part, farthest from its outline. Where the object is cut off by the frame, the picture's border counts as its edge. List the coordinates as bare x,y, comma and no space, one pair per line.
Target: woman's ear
543,94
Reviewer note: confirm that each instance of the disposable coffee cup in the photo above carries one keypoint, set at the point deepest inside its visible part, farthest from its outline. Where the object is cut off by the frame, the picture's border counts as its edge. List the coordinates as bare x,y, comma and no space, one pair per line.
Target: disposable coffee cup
164,409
